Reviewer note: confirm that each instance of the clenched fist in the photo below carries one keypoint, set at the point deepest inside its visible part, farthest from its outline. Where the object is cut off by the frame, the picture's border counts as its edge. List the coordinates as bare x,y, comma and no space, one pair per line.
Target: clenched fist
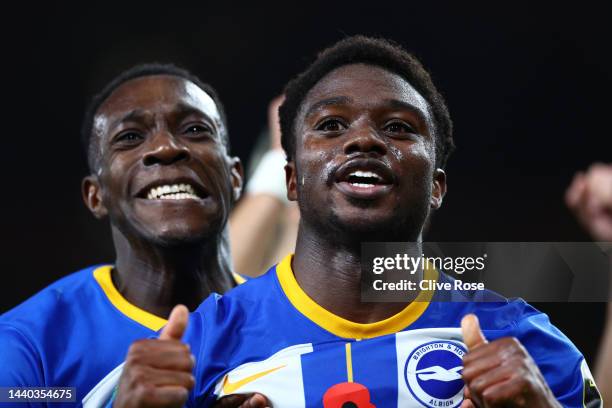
590,198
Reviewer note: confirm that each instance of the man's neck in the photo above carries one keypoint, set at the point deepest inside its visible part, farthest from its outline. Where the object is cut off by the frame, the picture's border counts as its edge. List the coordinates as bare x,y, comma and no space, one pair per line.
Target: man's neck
156,278
329,271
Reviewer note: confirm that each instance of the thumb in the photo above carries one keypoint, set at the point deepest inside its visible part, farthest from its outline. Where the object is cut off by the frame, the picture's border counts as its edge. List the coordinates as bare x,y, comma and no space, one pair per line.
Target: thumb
256,401
467,399
177,324
472,335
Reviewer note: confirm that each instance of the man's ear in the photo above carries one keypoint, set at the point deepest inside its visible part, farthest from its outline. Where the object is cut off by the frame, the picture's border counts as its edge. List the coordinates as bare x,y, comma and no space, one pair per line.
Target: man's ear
237,174
92,196
291,180
439,189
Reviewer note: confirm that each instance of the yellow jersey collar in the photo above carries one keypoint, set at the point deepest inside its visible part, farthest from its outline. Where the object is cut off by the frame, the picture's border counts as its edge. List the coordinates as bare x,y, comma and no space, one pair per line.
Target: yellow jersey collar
346,328
102,275
149,320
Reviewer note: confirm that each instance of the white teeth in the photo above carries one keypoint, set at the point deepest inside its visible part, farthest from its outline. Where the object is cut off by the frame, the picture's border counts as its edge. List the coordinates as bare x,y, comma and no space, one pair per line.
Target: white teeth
360,173
361,185
172,192
178,196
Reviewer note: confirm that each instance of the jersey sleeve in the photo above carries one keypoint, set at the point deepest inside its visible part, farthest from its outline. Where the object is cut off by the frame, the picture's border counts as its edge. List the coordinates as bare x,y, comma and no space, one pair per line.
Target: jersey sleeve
19,355
562,365
20,361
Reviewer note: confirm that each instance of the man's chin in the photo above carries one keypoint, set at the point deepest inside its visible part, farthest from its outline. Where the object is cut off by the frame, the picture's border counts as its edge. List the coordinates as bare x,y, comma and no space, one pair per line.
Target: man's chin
365,226
177,237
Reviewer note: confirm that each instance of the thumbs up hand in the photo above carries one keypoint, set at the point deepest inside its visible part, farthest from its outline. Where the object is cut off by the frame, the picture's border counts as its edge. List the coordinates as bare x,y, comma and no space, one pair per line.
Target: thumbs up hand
472,335
157,372
177,324
501,373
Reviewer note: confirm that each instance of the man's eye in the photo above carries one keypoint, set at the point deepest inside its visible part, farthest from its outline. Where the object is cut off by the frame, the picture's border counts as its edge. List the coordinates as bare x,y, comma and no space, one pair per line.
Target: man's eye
129,137
197,129
331,125
399,127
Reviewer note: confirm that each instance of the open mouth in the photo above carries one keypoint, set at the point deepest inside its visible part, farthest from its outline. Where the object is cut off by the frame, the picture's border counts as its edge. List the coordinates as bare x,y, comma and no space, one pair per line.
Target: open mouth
364,179
173,191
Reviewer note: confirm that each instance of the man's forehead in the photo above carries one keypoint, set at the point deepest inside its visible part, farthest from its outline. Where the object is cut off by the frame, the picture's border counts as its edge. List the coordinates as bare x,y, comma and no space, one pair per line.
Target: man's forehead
364,84
157,93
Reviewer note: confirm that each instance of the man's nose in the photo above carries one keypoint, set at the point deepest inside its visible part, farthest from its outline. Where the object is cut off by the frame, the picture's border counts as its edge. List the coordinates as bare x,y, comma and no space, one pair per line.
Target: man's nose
165,149
365,140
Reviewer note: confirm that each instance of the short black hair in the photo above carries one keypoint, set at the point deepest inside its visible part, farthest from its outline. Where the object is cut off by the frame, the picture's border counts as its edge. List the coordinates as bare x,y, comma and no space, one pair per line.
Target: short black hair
372,51
143,70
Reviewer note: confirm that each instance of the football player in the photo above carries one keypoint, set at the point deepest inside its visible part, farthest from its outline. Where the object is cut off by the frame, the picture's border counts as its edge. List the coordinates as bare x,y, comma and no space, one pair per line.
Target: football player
367,136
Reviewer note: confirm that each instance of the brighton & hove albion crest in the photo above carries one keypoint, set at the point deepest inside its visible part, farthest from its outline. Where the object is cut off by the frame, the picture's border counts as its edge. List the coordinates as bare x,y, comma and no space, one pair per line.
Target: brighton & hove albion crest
433,373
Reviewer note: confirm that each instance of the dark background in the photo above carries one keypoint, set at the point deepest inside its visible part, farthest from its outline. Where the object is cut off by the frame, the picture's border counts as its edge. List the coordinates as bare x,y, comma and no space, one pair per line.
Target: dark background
527,85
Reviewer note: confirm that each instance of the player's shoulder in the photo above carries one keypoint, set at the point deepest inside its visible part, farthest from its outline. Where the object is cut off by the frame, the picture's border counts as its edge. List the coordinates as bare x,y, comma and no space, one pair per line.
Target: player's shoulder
254,289
504,317
504,313
494,311
245,305
70,292
507,317
243,297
